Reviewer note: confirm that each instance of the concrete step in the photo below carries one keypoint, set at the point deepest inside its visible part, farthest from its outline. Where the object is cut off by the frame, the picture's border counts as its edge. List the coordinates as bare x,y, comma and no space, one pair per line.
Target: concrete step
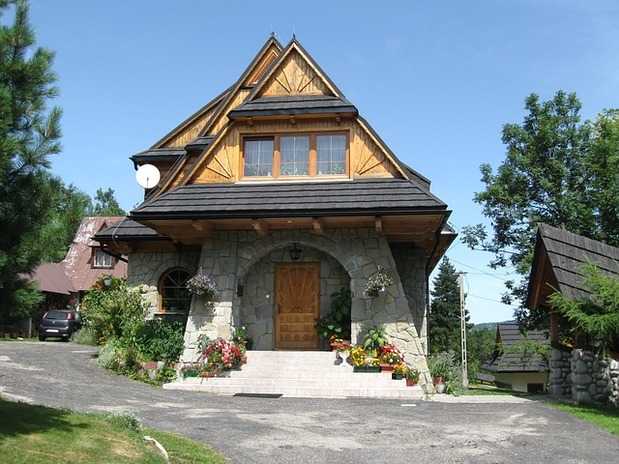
305,374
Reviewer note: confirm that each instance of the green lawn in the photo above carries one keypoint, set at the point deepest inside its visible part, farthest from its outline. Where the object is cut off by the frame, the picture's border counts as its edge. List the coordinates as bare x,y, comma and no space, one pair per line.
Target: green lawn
37,434
604,417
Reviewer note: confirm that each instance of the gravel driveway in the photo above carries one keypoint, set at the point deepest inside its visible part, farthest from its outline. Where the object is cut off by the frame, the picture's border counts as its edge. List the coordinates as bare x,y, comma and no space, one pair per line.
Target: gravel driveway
286,430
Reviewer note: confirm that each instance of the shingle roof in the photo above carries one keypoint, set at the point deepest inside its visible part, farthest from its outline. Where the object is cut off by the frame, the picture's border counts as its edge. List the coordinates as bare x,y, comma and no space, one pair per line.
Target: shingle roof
298,104
158,154
568,253
128,229
511,361
200,143
290,198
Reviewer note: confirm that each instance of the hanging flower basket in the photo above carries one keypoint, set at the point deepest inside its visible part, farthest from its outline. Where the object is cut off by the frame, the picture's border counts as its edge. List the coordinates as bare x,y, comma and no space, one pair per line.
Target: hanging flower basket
202,284
378,283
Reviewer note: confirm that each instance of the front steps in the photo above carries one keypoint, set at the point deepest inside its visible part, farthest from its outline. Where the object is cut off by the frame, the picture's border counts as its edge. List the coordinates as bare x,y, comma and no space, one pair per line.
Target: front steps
301,374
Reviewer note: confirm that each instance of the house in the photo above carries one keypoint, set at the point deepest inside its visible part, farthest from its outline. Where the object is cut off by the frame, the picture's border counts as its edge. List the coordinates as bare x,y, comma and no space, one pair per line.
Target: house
518,362
86,261
558,261
284,193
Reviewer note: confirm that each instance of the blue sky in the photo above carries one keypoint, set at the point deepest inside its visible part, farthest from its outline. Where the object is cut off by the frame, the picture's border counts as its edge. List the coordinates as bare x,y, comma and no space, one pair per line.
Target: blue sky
437,80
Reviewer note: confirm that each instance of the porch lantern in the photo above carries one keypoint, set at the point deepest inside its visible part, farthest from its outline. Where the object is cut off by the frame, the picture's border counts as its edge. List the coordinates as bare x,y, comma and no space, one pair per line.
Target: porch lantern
295,252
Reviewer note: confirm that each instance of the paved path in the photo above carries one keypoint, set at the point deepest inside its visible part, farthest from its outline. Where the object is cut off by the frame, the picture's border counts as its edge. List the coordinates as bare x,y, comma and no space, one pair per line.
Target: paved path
252,430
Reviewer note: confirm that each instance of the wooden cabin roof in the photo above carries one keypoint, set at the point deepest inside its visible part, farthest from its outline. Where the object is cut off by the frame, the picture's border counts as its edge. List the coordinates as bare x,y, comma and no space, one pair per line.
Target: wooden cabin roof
558,262
276,199
128,229
508,336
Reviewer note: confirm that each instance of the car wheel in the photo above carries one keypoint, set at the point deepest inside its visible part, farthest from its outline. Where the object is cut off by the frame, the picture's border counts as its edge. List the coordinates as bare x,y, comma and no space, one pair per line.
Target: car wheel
41,338
65,339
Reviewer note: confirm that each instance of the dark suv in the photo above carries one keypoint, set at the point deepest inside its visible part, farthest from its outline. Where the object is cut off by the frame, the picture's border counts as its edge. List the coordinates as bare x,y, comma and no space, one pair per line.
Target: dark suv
59,323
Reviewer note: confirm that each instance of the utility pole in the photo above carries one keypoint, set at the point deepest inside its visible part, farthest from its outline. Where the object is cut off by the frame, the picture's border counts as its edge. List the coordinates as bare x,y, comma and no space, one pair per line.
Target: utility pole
465,374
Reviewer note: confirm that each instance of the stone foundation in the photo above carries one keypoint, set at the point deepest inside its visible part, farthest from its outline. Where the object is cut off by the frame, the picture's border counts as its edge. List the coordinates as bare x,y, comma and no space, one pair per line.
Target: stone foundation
584,377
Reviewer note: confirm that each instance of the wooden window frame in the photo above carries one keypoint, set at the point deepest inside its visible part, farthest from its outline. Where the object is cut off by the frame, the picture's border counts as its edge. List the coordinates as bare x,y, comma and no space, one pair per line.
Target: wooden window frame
94,259
313,155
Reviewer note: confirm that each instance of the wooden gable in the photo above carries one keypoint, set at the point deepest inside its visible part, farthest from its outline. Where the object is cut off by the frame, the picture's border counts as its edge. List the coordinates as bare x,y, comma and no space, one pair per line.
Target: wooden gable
294,76
292,72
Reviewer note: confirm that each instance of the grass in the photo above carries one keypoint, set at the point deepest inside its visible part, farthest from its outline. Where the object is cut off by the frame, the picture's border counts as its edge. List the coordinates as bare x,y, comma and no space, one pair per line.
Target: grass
605,417
37,434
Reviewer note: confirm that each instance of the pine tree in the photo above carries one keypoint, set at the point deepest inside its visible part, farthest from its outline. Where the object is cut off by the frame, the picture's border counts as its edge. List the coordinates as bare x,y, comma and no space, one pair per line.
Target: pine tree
444,320
29,134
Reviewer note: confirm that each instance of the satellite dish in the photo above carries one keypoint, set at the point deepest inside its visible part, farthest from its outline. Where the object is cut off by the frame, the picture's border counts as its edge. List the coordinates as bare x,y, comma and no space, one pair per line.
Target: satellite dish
148,176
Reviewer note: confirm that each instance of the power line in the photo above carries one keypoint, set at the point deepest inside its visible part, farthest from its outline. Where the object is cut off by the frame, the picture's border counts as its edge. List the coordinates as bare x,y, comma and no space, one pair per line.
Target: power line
491,299
494,276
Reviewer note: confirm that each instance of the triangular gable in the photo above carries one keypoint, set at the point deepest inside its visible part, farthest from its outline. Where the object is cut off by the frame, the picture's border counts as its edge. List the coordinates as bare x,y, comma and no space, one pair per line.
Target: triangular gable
295,73
292,58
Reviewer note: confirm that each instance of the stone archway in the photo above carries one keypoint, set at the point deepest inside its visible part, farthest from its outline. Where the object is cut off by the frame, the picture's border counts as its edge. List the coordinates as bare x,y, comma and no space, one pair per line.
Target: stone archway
228,257
258,298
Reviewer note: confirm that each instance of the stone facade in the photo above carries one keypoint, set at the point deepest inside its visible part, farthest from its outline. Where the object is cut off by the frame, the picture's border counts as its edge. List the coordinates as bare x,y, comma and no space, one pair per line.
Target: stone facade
258,302
230,256
584,377
240,259
145,270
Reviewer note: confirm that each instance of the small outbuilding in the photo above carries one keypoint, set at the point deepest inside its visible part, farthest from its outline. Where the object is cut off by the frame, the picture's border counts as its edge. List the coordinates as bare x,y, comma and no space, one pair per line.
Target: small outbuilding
518,362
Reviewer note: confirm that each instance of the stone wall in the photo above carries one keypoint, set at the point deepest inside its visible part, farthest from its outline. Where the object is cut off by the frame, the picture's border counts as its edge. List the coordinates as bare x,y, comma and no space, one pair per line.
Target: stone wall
229,257
560,372
258,302
145,270
584,377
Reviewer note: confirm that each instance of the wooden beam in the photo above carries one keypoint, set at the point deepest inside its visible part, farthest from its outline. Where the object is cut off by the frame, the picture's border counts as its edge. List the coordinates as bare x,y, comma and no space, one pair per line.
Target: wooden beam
260,227
198,226
317,226
378,224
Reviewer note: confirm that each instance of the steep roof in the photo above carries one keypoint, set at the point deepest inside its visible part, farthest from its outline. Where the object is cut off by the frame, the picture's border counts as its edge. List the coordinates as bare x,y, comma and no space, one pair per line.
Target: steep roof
77,262
372,196
509,336
566,254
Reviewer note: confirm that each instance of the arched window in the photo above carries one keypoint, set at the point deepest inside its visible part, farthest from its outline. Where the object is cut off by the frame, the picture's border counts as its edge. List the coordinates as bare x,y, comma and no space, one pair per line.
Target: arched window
175,298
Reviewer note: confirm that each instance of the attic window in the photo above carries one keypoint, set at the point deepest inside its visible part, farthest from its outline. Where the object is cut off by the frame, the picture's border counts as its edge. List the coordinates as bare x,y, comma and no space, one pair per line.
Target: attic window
259,157
294,155
102,259
331,151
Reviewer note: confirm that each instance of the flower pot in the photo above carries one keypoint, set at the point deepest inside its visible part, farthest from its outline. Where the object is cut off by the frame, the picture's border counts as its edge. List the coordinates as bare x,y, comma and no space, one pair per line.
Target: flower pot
386,367
437,380
366,369
440,387
411,382
395,376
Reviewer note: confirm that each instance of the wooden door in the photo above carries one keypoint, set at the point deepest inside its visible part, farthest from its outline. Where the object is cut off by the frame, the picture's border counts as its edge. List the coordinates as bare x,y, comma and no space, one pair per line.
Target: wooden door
297,306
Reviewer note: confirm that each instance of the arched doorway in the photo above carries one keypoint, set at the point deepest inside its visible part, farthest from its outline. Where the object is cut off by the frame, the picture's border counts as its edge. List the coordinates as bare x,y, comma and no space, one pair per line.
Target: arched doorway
283,297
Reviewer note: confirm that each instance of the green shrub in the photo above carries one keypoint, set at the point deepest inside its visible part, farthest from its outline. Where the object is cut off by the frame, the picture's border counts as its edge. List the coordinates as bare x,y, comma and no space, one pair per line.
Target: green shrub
114,310
374,340
109,355
85,336
158,340
445,365
125,421
337,322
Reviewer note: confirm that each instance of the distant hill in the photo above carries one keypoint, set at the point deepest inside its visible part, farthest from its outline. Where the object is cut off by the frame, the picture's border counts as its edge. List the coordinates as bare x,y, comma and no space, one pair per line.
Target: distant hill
485,326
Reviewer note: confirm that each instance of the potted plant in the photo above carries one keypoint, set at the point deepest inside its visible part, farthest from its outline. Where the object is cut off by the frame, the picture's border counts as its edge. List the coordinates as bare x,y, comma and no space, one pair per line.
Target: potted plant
378,283
374,340
399,371
202,284
390,356
241,339
440,366
412,377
